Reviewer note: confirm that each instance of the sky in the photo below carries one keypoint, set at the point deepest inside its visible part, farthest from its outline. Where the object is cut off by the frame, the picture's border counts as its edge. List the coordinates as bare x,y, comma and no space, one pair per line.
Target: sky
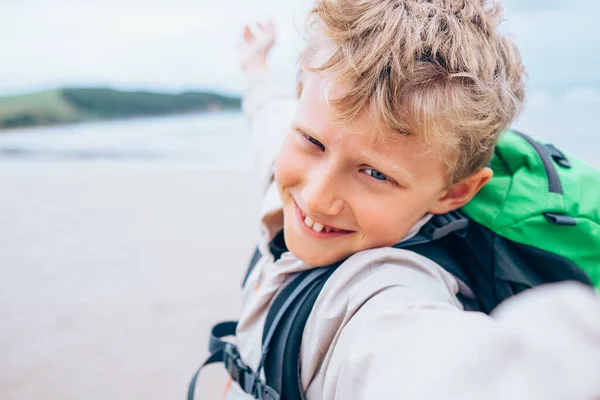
175,45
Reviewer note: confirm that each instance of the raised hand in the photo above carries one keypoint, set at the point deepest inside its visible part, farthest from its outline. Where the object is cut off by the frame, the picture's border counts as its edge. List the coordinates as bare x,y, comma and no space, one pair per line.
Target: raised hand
255,47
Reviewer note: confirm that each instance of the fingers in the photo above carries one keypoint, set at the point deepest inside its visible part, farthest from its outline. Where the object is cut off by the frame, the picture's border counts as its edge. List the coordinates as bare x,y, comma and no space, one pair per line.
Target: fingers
266,27
271,26
266,30
256,42
248,34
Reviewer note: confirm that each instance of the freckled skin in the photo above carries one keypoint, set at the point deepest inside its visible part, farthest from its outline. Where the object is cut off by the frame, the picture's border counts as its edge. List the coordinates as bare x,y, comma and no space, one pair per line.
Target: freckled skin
340,176
333,172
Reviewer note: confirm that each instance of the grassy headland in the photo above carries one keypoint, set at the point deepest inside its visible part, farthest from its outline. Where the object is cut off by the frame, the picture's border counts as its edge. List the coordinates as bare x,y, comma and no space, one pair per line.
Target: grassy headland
63,106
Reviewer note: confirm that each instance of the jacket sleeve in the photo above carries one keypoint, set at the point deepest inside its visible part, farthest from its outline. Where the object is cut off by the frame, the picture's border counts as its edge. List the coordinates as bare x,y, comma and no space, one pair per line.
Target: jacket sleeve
540,345
269,110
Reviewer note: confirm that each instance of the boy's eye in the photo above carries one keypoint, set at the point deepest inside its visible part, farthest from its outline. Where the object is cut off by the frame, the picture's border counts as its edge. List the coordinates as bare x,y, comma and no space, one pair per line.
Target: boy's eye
315,142
376,174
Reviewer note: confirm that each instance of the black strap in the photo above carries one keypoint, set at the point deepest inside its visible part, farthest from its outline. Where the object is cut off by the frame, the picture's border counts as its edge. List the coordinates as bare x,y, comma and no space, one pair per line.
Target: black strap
227,353
283,367
286,298
438,252
277,246
216,348
213,358
251,265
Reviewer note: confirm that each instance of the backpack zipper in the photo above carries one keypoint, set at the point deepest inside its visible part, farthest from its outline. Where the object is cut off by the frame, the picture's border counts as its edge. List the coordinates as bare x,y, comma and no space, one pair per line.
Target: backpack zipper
554,185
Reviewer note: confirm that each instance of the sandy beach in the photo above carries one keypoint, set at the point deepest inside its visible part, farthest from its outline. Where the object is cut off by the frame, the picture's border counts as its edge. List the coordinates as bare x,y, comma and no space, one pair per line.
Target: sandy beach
112,274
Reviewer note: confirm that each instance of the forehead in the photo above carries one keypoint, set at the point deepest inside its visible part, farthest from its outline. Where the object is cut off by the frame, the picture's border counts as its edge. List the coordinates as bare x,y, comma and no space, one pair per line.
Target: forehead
318,117
318,112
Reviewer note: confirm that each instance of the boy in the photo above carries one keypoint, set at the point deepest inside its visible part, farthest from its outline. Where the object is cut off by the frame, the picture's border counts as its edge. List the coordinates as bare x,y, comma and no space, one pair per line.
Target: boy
400,104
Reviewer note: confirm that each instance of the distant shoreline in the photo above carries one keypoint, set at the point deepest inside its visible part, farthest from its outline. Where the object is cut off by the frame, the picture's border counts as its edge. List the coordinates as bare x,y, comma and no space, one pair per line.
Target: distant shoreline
125,119
69,106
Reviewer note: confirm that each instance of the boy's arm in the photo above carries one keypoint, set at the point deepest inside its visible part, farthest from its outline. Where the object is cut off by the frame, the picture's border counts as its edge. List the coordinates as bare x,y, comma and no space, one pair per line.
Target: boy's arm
269,110
268,107
540,345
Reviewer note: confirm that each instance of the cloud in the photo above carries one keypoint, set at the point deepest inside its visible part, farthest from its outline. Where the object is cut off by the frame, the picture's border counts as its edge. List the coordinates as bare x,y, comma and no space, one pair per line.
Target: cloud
559,44
173,44
180,44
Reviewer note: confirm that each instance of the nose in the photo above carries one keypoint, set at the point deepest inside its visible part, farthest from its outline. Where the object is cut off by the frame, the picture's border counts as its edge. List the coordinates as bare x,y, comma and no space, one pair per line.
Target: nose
321,194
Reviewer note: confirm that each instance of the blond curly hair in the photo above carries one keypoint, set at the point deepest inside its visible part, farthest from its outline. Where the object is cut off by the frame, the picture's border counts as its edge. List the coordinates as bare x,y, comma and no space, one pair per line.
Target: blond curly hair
439,69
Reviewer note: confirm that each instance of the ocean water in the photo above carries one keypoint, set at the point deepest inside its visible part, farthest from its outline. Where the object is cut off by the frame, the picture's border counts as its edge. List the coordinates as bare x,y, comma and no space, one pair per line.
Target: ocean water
222,140
214,140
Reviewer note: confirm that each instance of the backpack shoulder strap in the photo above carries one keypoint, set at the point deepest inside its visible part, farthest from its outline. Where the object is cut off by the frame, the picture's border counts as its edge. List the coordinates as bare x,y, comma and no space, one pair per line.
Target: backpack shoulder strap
440,252
282,358
282,338
283,321
284,327
228,354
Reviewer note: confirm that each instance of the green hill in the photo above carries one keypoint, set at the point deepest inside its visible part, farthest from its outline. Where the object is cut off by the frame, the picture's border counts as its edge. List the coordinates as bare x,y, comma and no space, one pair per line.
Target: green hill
64,106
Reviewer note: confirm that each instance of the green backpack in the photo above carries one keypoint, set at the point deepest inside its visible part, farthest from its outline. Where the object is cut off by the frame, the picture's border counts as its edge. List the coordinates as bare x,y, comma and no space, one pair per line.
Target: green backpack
544,200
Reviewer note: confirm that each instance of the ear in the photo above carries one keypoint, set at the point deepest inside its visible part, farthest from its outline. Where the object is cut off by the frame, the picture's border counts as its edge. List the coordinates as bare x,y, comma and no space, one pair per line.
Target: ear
462,192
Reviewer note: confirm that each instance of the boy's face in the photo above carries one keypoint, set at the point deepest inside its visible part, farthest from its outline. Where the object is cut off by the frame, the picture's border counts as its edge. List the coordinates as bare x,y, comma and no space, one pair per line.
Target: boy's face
358,193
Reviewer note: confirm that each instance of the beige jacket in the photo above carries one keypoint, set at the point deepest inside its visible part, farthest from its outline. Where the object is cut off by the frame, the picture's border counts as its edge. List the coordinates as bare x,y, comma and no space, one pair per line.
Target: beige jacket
388,324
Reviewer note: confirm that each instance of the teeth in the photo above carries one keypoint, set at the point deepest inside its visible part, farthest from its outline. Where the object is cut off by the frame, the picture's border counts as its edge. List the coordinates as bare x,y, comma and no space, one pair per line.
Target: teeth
308,222
317,227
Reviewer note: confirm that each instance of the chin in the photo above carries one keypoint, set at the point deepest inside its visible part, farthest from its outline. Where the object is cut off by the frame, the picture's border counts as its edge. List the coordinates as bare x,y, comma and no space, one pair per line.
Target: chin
313,251
307,253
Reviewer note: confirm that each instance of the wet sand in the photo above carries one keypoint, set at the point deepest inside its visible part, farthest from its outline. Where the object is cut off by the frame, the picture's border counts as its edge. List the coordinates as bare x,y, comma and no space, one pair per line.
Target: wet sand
112,274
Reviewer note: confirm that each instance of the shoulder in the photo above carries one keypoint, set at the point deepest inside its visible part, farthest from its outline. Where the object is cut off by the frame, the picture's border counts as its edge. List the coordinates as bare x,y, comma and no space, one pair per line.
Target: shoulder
386,348
372,271
379,281
369,288
389,334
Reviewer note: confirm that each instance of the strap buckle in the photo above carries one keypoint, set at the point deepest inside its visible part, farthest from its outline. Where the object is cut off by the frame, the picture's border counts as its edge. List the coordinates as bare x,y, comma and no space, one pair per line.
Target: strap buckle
558,156
560,219
234,364
444,224
245,377
439,226
264,392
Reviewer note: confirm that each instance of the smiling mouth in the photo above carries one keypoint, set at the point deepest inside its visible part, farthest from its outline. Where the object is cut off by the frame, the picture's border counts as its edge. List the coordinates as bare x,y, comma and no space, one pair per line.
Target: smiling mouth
316,226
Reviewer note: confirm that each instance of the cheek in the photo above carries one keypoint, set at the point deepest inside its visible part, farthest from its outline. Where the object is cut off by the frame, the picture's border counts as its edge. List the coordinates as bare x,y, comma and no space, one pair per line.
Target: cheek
386,219
288,165
382,218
